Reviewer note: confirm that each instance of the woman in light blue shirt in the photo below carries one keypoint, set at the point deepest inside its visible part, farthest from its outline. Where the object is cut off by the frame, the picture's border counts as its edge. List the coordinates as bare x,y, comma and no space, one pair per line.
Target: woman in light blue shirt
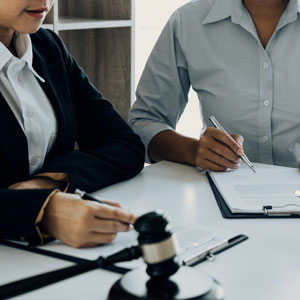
242,59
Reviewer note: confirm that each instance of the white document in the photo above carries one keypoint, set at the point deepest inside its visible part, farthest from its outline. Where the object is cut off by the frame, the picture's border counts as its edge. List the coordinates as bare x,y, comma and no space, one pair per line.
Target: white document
195,243
123,240
248,192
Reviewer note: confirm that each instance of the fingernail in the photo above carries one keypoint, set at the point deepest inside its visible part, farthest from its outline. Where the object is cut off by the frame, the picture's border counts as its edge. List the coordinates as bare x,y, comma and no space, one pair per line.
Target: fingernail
237,166
240,152
130,227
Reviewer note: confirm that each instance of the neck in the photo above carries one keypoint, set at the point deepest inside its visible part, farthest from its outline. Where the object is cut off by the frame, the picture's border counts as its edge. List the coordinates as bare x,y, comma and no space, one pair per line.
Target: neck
266,8
6,36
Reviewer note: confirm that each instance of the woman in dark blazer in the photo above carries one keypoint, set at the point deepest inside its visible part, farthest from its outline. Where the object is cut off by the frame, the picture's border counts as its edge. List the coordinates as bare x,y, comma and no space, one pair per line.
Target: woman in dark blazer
39,203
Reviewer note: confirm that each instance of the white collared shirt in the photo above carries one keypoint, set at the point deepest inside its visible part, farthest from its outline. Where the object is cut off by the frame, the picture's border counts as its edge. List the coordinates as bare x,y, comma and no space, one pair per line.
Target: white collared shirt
30,105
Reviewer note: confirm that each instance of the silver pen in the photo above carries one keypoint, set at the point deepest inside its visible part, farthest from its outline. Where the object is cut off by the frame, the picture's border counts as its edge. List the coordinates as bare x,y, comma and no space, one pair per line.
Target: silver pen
244,158
85,196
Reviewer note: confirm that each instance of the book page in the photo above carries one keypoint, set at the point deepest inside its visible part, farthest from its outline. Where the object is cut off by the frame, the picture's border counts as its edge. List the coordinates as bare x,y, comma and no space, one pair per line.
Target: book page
245,191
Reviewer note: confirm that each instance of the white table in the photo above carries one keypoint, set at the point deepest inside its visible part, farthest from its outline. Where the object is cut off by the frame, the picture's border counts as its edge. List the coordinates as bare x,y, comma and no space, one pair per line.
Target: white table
265,267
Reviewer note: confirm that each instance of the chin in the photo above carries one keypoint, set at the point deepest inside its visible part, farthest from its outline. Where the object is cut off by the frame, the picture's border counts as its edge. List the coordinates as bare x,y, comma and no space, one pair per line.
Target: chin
28,26
29,29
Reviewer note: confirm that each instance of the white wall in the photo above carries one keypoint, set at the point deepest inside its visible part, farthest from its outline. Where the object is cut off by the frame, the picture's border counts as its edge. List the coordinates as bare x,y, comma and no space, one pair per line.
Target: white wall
151,16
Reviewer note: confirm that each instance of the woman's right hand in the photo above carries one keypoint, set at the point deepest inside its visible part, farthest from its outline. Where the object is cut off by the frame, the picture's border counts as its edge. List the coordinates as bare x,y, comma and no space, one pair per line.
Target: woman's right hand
82,223
218,151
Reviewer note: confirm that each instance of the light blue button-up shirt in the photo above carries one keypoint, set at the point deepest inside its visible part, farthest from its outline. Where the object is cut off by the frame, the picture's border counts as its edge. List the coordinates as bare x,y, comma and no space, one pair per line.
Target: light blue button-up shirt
213,47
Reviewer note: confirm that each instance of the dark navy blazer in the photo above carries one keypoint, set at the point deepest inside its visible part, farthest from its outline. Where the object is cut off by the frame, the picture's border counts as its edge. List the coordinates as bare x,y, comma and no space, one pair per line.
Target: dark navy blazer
109,151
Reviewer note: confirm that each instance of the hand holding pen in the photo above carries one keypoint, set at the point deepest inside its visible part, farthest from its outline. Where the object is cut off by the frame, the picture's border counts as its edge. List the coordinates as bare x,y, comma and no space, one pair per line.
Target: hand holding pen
81,223
244,157
217,150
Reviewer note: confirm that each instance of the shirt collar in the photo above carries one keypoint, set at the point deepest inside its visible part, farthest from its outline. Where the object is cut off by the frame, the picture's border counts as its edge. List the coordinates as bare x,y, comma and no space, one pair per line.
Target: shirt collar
23,47
5,56
223,9
290,13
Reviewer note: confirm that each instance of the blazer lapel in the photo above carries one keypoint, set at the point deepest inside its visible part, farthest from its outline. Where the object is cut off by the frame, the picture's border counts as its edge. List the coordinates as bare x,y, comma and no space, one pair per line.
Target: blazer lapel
13,146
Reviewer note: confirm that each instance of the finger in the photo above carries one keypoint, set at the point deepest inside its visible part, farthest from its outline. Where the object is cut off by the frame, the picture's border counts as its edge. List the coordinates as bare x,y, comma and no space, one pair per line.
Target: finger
116,204
227,140
209,165
223,151
89,245
109,226
93,239
114,213
221,160
299,166
238,138
100,238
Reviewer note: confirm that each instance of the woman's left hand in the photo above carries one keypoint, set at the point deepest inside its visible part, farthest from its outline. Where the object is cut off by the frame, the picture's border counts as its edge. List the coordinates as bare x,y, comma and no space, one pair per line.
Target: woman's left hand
38,183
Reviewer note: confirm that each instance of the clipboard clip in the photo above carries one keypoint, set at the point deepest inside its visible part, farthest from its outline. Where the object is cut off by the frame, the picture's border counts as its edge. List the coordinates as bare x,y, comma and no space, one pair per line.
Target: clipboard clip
282,210
210,256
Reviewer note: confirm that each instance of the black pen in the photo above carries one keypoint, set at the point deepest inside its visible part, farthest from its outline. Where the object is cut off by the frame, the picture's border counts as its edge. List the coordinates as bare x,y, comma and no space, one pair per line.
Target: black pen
86,196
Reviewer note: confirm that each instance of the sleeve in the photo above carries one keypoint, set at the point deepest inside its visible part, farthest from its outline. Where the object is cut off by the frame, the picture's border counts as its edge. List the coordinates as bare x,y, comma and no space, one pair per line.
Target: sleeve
43,235
60,177
163,89
109,151
19,210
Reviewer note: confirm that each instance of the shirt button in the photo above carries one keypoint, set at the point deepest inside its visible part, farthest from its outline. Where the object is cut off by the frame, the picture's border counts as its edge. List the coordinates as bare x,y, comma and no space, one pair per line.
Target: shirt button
266,102
266,65
29,114
265,138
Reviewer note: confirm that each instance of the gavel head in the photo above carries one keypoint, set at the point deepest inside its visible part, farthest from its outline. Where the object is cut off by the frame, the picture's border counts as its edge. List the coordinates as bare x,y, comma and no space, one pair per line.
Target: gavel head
158,244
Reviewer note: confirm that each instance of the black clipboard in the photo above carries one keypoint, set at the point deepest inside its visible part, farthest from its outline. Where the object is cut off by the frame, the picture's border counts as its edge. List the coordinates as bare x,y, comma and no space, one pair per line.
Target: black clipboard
226,212
211,254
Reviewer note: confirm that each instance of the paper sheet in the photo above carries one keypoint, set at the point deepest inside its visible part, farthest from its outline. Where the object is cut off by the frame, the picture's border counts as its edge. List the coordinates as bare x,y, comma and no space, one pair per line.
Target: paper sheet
245,191
192,241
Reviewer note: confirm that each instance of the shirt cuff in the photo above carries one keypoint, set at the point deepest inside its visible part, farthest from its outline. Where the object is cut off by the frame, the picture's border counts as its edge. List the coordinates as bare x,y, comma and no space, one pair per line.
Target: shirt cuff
148,131
39,218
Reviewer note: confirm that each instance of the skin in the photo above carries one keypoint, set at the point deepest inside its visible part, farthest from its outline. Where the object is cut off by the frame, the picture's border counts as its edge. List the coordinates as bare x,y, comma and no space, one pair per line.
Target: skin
216,150
265,15
77,222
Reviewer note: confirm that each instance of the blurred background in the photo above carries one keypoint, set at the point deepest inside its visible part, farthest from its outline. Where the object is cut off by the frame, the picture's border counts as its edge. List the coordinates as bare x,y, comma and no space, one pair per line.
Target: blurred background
151,16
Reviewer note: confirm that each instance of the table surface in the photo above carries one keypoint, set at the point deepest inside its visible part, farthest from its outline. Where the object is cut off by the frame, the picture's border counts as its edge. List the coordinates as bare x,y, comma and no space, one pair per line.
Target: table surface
265,267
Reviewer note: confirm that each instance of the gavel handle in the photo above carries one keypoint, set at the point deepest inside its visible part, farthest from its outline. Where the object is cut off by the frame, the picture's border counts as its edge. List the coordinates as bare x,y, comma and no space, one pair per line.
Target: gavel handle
35,282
